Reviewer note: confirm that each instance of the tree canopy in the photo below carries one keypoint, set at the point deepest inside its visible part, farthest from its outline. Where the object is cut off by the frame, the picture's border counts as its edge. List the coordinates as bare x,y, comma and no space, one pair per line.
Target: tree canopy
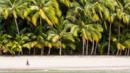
64,27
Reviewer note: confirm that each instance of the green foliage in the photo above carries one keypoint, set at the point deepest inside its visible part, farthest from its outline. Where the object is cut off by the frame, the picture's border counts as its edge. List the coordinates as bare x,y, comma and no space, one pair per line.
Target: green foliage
65,25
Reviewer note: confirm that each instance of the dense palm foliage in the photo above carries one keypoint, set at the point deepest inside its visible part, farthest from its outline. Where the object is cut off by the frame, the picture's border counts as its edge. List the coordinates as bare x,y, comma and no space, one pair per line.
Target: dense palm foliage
64,27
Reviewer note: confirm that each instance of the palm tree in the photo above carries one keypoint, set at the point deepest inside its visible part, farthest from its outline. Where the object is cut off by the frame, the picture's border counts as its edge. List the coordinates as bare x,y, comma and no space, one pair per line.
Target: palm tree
58,33
4,39
85,24
40,9
103,9
13,8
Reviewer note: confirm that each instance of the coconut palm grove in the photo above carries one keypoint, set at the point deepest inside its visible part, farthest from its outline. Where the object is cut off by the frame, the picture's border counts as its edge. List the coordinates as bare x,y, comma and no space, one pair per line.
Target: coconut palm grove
64,27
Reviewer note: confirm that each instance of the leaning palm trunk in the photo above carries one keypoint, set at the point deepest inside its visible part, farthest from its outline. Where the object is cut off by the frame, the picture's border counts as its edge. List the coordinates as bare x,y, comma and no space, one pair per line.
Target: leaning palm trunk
92,47
109,40
18,53
21,52
17,28
16,23
49,51
117,52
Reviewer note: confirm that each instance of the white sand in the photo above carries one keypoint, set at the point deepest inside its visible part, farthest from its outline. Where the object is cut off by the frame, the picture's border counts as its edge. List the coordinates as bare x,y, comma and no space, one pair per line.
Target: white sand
65,63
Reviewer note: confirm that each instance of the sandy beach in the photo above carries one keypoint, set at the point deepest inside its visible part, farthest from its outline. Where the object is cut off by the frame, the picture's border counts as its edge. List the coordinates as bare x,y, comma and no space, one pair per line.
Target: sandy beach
65,63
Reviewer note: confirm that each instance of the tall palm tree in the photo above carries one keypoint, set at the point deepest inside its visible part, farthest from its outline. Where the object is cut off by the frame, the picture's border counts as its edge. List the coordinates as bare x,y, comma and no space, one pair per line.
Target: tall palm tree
106,8
13,8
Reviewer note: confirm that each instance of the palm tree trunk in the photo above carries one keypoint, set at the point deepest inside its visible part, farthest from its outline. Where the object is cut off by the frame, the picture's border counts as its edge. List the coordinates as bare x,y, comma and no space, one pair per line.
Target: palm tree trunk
42,51
128,53
60,50
117,52
49,51
71,52
120,52
92,47
87,47
29,50
16,23
34,51
95,51
21,52
83,48
113,52
119,33
1,52
109,40
17,28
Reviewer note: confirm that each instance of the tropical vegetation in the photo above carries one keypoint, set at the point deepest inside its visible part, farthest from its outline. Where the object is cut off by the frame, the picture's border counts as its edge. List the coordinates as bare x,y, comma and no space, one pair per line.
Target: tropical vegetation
64,27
